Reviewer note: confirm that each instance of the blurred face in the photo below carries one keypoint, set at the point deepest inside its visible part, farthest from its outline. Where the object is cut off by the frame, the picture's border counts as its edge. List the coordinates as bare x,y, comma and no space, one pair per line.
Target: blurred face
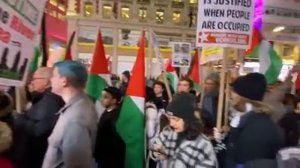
210,85
38,83
57,82
124,78
107,100
183,86
235,98
158,89
177,124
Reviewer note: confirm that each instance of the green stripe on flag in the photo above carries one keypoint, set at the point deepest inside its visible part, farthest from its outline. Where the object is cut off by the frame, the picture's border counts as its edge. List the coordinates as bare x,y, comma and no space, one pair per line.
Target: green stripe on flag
34,65
95,86
275,67
131,128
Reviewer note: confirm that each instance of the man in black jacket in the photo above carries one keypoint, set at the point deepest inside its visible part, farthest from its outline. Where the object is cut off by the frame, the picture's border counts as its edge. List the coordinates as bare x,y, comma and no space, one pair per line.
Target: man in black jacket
36,125
110,148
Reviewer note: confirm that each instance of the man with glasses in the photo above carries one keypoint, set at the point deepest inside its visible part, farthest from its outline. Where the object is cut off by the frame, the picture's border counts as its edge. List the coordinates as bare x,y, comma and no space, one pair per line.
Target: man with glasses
38,122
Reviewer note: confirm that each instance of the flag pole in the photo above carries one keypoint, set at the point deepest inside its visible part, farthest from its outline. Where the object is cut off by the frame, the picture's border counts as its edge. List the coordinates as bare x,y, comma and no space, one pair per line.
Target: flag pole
202,81
222,87
227,97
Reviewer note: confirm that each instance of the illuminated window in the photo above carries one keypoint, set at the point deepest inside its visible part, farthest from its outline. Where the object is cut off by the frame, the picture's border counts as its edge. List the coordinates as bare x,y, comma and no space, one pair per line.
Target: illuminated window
177,4
106,11
125,12
88,8
193,1
176,17
142,14
160,16
194,19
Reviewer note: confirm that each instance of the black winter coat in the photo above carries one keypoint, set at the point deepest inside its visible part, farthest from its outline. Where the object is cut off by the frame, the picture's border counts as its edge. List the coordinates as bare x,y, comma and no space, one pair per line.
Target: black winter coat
34,128
256,138
110,148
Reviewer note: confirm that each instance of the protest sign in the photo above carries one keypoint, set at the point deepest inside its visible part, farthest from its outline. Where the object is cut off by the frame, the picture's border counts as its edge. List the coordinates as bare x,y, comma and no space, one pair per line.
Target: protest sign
225,23
181,54
211,54
19,23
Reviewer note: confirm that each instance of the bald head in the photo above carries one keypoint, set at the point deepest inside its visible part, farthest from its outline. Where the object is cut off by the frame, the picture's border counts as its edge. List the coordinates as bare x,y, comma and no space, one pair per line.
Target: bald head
40,80
43,72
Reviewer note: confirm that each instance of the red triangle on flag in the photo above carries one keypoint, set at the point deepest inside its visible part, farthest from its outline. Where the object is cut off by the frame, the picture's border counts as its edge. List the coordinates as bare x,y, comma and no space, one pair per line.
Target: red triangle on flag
169,67
136,86
99,62
195,76
256,39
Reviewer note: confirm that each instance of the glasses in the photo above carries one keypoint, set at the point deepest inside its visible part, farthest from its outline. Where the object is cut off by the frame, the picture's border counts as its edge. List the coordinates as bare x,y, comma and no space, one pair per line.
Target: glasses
32,79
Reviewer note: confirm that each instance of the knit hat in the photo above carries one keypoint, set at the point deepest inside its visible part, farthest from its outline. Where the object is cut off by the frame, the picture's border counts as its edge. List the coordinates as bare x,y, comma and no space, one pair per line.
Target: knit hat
115,92
183,106
251,86
214,77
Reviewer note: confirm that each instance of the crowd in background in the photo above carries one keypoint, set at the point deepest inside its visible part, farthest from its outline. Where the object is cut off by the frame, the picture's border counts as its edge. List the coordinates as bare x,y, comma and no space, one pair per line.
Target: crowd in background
62,128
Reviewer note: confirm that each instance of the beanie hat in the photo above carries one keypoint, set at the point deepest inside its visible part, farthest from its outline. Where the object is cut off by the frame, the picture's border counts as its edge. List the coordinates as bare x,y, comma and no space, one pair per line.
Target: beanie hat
251,86
115,92
214,77
183,106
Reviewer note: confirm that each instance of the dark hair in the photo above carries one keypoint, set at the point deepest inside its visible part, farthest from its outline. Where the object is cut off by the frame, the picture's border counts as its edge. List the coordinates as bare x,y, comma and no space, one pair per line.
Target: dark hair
191,84
159,83
290,99
193,129
149,94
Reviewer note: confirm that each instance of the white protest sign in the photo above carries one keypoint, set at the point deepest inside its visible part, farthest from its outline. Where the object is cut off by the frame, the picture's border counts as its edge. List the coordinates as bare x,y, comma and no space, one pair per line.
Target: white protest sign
20,21
181,54
225,23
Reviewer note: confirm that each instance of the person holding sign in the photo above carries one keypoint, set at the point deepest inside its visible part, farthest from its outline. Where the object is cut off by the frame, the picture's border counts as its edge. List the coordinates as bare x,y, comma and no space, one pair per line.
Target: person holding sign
256,139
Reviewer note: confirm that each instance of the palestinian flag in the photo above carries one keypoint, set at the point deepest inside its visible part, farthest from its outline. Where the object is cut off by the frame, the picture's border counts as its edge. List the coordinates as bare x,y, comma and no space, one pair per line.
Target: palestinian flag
68,55
270,62
99,77
35,62
172,75
195,72
130,124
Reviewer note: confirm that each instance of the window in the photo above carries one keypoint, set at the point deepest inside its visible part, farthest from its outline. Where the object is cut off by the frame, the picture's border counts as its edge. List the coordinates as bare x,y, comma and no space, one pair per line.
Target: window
125,12
88,8
176,17
193,1
106,11
177,4
160,16
142,14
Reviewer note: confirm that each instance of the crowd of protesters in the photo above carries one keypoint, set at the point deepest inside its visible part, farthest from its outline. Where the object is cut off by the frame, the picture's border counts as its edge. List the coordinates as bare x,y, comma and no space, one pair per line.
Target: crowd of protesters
61,127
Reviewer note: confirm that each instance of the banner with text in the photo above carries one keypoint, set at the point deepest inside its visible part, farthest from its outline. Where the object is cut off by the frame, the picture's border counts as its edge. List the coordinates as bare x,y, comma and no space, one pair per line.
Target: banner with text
225,23
211,54
20,22
181,54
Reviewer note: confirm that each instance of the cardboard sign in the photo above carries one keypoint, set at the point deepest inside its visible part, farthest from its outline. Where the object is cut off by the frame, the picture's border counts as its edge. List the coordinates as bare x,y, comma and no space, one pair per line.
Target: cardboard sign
19,23
181,54
225,23
211,54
